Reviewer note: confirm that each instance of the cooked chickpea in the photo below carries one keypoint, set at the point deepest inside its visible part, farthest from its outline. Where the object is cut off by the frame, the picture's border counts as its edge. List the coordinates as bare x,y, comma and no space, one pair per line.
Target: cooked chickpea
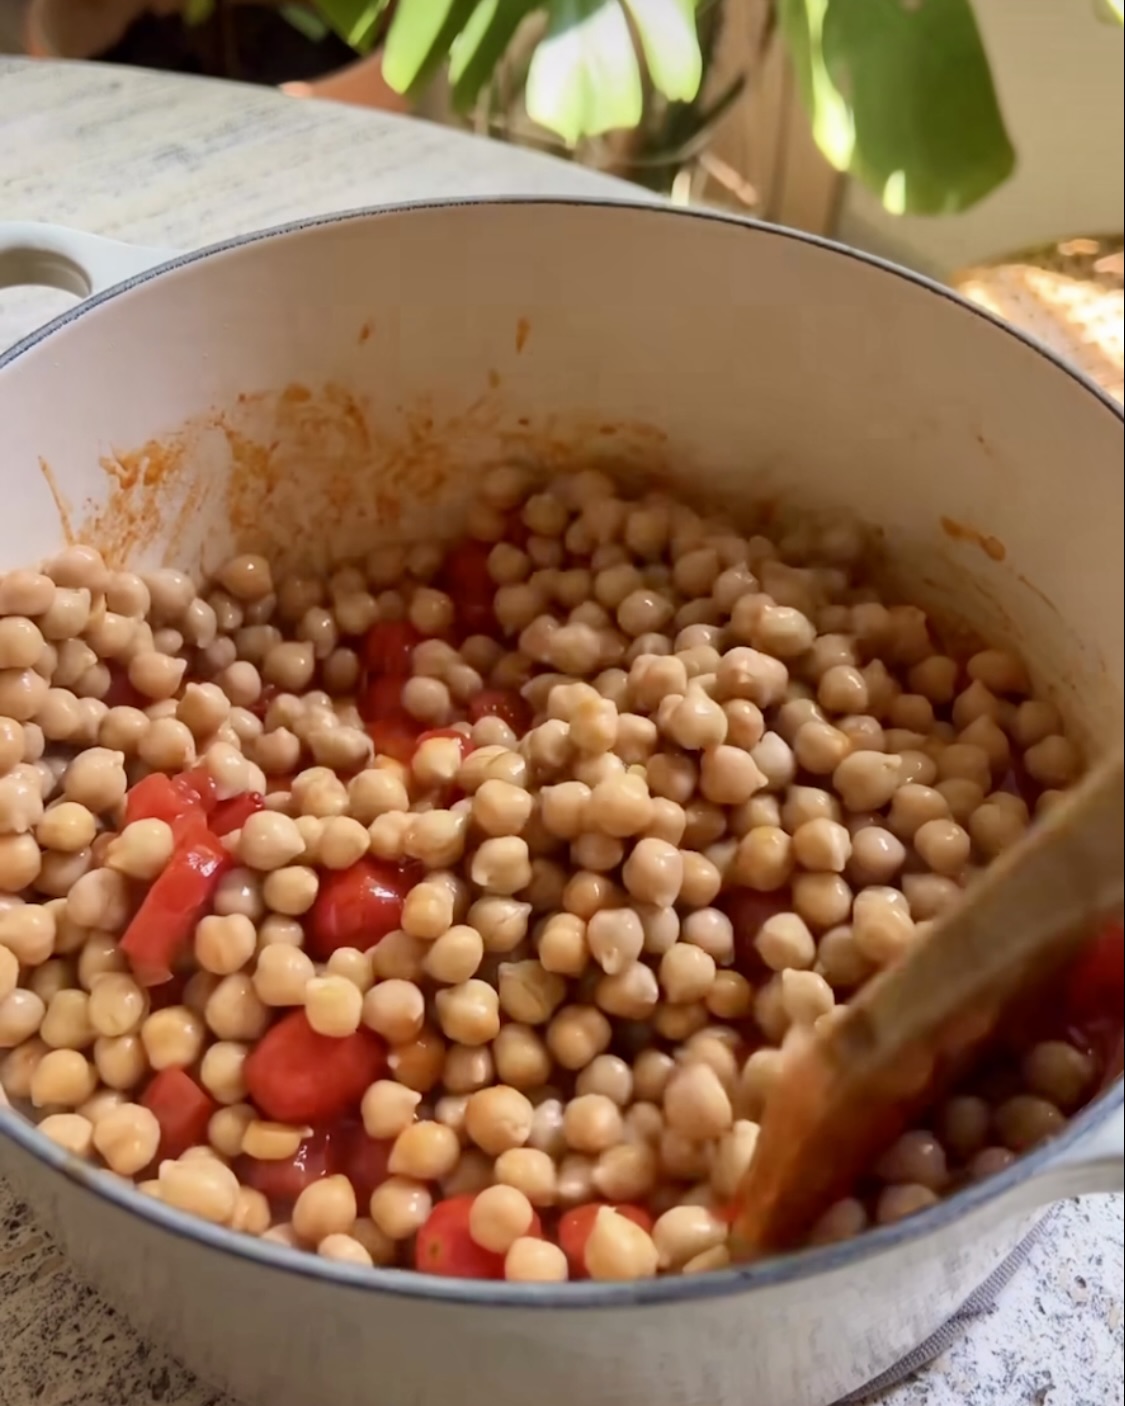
233,1011
395,1009
388,1108
425,1151
268,841
498,1118
63,1078
224,944
116,1005
173,1037
96,779
534,1261
333,1005
127,1138
1025,1120
696,1105
684,1232
281,974
618,1249
1058,1072
882,925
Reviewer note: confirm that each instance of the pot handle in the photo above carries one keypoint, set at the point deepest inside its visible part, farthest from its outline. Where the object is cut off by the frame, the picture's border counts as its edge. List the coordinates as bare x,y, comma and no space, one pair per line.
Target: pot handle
1094,1164
53,257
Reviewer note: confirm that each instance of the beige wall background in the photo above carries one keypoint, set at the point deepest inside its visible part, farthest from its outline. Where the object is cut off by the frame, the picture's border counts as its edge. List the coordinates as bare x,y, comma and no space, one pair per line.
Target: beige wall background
1059,70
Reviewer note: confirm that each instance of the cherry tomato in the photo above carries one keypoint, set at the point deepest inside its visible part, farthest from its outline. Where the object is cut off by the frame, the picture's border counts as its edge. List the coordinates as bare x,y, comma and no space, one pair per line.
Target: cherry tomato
381,698
390,727
1094,997
281,1182
502,703
357,906
395,736
362,1159
388,648
182,1109
576,1225
180,896
465,576
295,1075
233,814
1096,984
444,1245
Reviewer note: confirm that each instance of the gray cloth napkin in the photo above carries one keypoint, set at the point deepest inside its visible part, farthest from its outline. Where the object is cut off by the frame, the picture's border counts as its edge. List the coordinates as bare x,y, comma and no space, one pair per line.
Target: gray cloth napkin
979,1304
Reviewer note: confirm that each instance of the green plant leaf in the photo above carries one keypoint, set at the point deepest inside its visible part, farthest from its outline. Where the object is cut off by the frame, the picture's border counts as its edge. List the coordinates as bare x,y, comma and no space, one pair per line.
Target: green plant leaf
419,38
305,21
671,45
584,78
481,45
198,12
355,21
901,96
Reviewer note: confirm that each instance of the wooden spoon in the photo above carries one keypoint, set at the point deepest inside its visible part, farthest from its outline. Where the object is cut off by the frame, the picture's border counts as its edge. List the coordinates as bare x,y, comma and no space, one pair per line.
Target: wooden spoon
845,1094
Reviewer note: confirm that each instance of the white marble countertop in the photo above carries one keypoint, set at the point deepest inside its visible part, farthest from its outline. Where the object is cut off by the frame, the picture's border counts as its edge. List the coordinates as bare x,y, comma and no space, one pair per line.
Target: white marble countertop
180,163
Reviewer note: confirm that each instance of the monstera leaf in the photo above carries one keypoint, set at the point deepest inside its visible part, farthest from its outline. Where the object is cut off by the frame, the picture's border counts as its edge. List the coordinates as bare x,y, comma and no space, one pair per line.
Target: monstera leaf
584,78
900,94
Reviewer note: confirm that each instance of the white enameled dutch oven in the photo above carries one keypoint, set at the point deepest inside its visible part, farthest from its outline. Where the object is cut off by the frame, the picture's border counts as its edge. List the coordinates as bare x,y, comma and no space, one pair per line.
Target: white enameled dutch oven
307,389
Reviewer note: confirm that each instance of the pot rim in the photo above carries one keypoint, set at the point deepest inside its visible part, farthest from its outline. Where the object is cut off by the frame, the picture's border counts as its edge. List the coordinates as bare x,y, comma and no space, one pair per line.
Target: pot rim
409,1284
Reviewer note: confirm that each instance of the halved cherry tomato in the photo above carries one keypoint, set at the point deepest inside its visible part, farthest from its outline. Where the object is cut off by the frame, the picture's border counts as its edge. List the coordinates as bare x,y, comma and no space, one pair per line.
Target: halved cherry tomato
576,1225
200,780
233,814
160,797
466,577
182,1109
180,896
295,1075
381,697
281,1182
501,703
357,906
388,647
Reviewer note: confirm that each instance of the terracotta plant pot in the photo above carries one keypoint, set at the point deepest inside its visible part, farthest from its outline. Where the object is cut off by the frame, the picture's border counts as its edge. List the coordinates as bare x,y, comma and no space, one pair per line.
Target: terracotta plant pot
362,84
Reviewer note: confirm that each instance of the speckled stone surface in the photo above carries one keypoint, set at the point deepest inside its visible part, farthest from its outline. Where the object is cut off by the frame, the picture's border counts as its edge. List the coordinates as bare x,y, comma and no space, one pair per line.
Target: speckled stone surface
180,163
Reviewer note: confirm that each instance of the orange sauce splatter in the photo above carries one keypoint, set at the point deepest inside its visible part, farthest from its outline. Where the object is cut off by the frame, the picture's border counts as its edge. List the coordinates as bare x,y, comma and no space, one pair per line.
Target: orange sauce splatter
992,547
62,507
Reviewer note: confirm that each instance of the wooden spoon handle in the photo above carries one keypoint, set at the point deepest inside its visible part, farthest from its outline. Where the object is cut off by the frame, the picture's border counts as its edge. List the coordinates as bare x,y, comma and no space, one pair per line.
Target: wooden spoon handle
845,1093
1026,911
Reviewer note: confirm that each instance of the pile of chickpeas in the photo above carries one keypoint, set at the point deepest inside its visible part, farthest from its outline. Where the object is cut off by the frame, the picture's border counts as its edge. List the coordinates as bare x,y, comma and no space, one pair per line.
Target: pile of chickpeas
723,784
